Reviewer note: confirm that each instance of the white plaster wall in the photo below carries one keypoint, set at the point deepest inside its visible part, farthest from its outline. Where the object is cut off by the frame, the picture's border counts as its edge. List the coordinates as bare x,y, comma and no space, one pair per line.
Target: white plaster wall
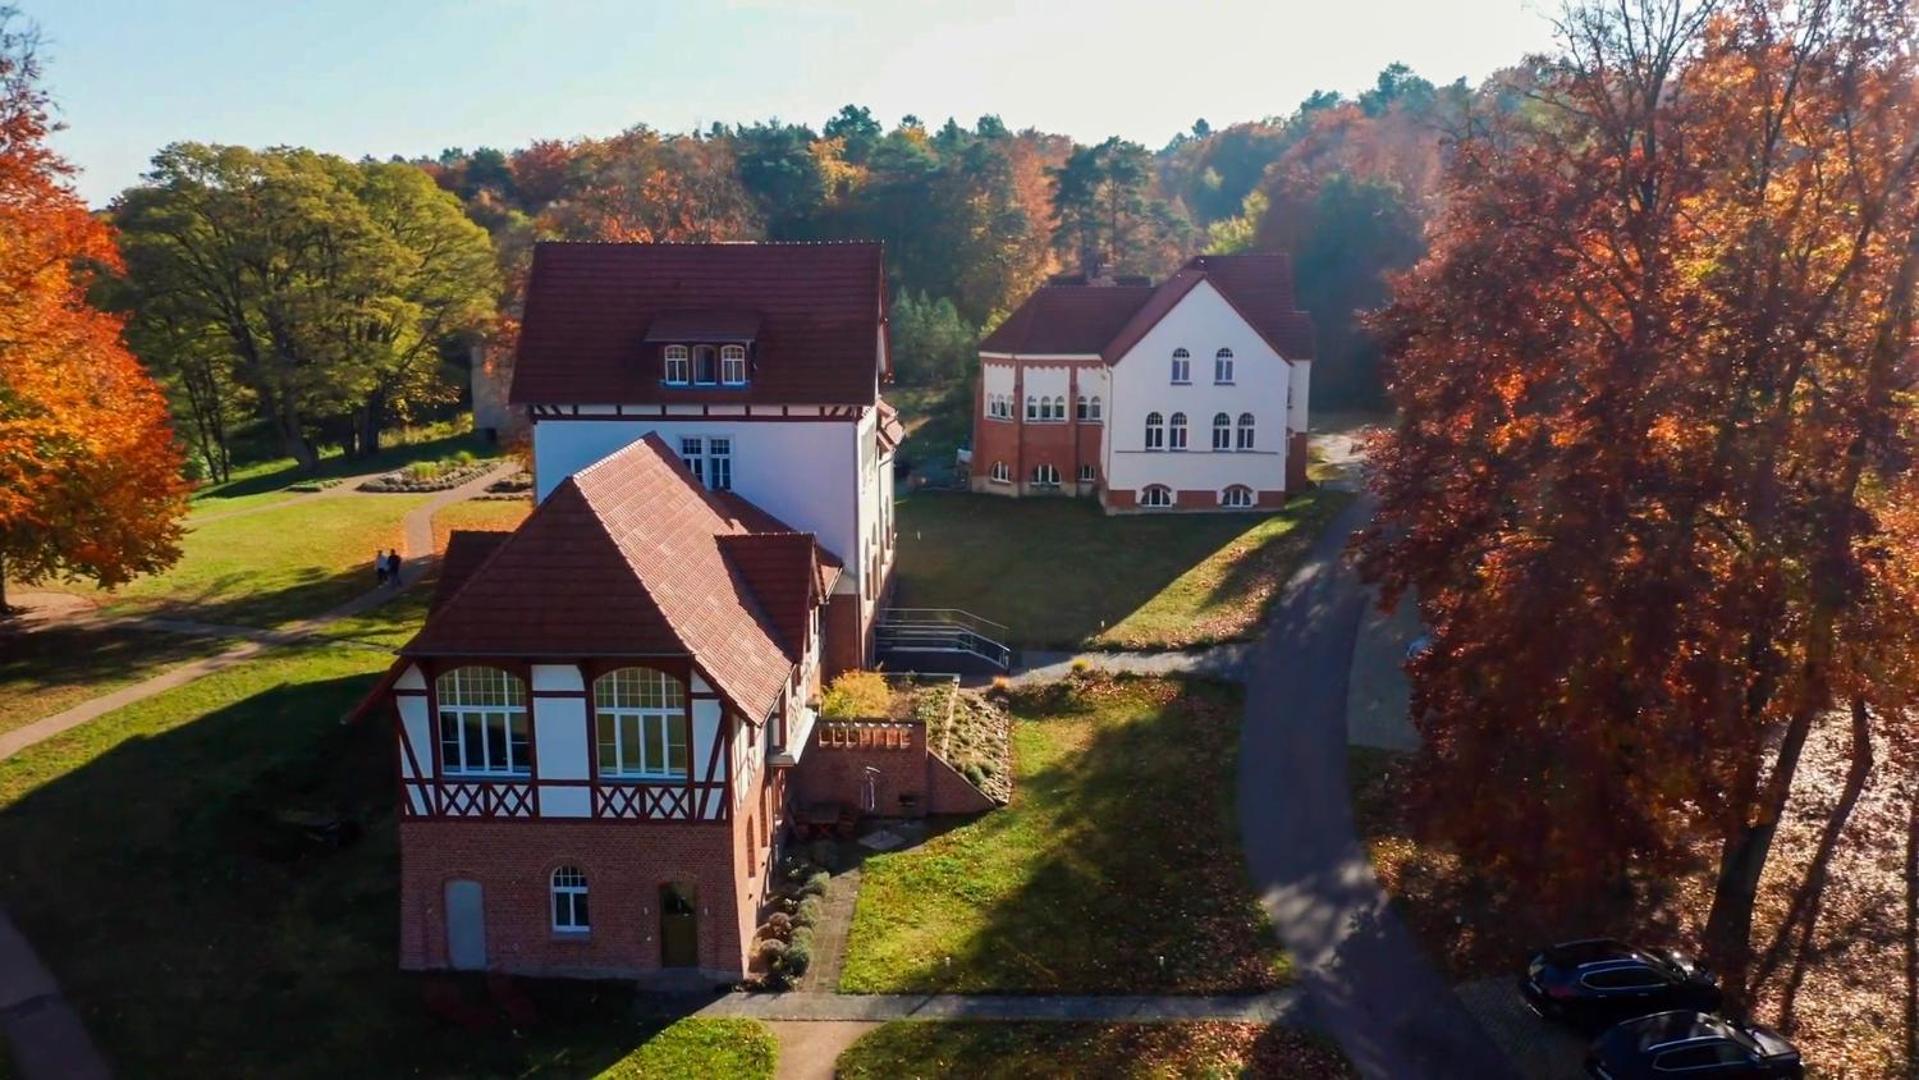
565,802
998,377
417,726
557,677
411,679
1050,380
559,736
1202,323
801,472
706,729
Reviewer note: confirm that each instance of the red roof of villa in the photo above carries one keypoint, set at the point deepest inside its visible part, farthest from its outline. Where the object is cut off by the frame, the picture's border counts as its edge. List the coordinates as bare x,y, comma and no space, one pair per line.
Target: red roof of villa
598,315
1108,320
632,557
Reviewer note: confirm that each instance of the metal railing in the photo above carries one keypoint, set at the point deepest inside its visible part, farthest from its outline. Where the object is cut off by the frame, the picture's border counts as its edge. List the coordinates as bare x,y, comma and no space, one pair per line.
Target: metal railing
947,630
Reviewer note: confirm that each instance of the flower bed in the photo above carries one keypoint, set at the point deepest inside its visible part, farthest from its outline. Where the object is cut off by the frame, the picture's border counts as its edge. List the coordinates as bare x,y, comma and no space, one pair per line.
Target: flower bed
430,475
783,944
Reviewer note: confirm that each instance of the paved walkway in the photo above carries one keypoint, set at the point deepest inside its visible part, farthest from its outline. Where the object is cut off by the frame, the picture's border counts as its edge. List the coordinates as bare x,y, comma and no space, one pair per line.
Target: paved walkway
1219,662
811,1049
1282,1006
1370,985
417,552
44,1034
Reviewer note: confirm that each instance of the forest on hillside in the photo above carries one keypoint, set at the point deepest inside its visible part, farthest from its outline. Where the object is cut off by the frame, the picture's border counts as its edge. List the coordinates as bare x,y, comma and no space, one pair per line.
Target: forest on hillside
293,300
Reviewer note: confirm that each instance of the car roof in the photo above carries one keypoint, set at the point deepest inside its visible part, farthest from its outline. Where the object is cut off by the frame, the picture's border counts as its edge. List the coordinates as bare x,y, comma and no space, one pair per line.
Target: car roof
1591,951
1672,1030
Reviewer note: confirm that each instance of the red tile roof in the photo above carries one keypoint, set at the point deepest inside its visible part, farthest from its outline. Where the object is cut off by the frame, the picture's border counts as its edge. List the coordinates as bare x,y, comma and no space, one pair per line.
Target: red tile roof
631,557
466,549
1108,320
815,311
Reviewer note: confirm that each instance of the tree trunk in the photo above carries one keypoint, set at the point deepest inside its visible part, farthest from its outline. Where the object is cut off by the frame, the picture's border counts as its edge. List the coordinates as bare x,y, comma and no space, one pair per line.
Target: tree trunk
4,609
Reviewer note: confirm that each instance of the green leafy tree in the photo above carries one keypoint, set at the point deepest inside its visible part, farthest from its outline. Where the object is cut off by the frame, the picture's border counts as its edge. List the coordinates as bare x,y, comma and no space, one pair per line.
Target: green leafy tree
932,343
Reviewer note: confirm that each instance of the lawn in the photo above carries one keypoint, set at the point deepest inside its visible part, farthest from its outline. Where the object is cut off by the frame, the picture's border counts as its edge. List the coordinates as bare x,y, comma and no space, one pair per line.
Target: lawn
1115,869
53,668
693,1047
262,483
493,515
1836,998
938,421
1061,574
141,855
272,567
393,623
1017,1051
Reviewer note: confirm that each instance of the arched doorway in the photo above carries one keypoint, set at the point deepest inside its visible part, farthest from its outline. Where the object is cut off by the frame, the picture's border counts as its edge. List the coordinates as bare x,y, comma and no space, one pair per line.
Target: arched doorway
679,925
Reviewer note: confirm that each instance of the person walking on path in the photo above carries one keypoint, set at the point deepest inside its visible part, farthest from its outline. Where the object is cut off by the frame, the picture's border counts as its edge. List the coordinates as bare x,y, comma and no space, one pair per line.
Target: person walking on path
379,565
393,568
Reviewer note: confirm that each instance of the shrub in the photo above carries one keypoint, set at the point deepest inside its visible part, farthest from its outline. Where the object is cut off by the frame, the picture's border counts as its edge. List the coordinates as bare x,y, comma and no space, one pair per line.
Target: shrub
856,695
802,936
463,458
423,470
824,853
772,952
779,925
1081,666
974,774
797,959
811,911
817,884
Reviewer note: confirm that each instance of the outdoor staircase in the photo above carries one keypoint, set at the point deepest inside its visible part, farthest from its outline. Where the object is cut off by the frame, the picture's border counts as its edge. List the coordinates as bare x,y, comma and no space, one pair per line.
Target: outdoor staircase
945,641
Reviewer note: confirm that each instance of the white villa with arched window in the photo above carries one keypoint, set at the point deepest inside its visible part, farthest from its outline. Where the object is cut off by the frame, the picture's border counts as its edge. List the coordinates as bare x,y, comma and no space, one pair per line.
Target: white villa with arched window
1151,428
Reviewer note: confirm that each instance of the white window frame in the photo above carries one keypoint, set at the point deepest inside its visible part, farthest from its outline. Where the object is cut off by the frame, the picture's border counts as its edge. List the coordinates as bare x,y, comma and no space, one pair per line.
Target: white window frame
1244,437
709,373
1095,415
477,704
733,365
1222,432
719,462
1155,431
1156,496
1176,432
693,453
1087,474
1002,473
570,913
679,366
1045,476
1237,496
1182,367
649,707
1223,367
1032,407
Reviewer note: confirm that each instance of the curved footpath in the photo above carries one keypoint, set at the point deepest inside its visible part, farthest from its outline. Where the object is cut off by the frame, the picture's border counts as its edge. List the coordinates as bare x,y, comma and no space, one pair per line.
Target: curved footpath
1368,983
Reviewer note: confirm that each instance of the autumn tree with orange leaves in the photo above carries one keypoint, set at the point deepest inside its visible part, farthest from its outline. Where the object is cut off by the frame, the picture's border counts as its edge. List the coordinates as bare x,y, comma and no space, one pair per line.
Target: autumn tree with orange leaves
1653,480
90,481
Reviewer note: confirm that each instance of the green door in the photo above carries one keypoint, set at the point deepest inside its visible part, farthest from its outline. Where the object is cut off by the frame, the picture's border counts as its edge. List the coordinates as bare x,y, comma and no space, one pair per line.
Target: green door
679,926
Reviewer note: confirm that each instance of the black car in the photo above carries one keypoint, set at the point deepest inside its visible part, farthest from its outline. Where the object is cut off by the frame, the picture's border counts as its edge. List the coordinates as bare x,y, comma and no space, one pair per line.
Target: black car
1691,1044
1595,984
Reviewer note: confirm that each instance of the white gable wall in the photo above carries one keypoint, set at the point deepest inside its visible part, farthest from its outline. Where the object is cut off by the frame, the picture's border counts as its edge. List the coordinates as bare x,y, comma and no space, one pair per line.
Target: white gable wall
1202,322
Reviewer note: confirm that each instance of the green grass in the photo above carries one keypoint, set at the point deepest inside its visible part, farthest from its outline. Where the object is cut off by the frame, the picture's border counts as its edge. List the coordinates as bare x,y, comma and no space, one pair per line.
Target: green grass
693,1047
393,623
1115,869
1061,574
52,668
139,854
938,421
1018,1051
272,567
262,483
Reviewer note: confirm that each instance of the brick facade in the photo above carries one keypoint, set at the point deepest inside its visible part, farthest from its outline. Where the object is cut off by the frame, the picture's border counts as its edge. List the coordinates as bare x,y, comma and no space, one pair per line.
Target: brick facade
1066,445
625,864
909,780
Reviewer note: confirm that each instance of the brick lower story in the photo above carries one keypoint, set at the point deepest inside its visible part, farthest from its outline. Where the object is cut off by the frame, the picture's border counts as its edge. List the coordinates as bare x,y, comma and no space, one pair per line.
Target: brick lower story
625,863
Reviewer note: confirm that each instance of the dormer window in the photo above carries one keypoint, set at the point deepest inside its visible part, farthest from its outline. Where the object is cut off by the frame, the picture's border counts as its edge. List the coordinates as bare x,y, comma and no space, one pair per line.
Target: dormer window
733,365
677,365
706,368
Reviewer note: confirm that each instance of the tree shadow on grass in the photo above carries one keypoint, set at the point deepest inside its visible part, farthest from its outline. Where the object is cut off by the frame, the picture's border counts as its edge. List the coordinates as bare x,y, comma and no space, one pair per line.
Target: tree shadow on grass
1116,870
201,935
387,459
237,598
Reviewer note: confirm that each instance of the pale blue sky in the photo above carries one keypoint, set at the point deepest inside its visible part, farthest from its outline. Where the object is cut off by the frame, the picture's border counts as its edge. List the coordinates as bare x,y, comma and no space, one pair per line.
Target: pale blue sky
412,76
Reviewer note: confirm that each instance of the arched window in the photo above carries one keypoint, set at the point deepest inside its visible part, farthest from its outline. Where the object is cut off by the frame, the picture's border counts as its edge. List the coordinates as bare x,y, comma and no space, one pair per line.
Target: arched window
1155,432
569,901
1176,432
1245,431
639,724
1045,476
676,365
1182,366
1238,496
1222,432
1032,407
1223,366
1079,408
1002,474
1086,475
733,365
1158,496
483,727
1059,408
1095,415
705,369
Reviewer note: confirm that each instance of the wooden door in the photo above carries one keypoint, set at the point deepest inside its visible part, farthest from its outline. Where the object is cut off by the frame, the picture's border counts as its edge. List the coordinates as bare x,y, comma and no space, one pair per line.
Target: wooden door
465,926
679,926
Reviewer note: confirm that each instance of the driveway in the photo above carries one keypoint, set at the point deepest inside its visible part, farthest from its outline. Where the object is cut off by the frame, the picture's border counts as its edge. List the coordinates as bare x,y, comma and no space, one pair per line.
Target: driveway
1368,983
